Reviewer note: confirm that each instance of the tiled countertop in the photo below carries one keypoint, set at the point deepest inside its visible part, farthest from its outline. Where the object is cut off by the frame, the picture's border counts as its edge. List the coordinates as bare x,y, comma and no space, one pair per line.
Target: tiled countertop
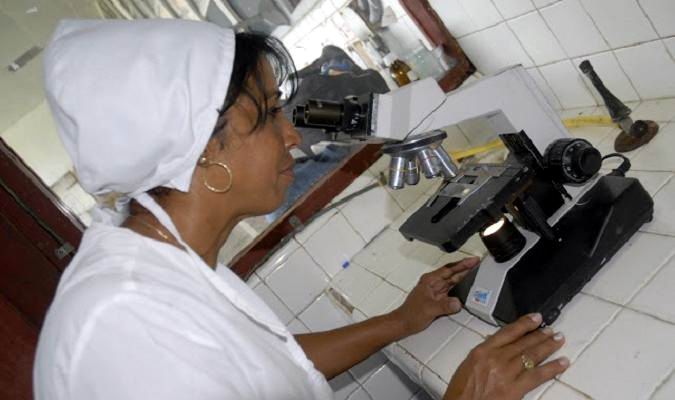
620,330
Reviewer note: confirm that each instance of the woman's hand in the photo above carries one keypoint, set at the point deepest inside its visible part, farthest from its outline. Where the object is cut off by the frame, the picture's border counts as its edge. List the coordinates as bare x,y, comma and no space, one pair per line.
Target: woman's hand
429,299
506,366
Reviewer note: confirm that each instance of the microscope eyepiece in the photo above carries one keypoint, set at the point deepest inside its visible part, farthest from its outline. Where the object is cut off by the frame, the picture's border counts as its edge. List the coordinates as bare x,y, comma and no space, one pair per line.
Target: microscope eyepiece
351,115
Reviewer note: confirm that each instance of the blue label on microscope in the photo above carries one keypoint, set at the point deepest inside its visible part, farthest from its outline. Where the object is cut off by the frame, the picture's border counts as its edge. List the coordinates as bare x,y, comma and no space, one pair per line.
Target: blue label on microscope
481,296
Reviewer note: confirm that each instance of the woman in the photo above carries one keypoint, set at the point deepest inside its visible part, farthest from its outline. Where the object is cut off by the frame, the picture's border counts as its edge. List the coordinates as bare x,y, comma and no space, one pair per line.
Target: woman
184,119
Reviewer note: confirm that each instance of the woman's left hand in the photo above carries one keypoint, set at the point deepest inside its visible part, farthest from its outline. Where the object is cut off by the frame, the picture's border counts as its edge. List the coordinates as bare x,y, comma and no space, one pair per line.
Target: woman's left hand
429,299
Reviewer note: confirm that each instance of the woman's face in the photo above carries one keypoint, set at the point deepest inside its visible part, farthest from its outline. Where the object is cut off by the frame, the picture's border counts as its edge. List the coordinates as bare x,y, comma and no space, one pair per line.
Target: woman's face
260,159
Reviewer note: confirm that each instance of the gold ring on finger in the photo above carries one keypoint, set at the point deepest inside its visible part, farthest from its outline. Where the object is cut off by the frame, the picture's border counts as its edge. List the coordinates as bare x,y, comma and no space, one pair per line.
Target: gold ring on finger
528,363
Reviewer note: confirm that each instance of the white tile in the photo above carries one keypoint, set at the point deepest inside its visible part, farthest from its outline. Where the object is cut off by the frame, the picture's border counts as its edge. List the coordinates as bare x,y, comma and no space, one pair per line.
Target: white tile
371,212
363,370
425,344
385,254
359,183
657,297
462,317
298,281
323,315
421,395
635,263
662,14
456,139
609,70
278,258
596,135
567,84
381,299
662,110
494,49
355,283
652,181
407,276
433,384
477,130
537,392
664,218
313,226
446,361
481,327
627,361
420,260
574,28
666,391
408,212
513,8
408,195
537,38
296,327
390,383
559,391
650,68
360,394
404,361
454,16
328,251
253,280
582,111
544,87
657,154
580,321
343,385
670,45
621,22
482,12
284,314
543,3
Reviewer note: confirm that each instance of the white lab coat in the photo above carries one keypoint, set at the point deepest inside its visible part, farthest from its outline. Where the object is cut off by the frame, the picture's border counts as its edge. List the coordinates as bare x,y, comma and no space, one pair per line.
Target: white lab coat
134,318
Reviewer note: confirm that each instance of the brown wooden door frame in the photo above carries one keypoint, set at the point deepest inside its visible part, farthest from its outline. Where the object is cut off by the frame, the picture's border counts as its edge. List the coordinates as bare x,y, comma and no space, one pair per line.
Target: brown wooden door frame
35,228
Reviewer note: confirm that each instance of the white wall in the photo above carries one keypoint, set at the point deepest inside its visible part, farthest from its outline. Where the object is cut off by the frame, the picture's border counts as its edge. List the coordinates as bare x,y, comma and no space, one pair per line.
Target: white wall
630,43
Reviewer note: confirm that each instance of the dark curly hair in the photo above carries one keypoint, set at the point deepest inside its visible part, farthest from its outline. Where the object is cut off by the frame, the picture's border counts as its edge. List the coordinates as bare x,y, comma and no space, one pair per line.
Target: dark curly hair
250,48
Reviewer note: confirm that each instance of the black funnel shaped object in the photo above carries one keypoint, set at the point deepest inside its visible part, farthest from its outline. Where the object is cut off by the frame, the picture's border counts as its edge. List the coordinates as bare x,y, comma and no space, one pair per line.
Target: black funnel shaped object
617,110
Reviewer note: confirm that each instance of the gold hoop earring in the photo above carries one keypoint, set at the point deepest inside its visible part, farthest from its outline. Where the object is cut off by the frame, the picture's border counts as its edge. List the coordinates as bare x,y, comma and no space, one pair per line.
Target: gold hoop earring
204,162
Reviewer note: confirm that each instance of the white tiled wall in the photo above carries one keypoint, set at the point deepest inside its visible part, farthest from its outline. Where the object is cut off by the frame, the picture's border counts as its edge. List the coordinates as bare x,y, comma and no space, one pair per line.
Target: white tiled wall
629,42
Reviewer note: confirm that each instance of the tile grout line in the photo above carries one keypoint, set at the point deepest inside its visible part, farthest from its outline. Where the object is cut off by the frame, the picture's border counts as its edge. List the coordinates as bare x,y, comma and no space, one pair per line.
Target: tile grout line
595,337
567,385
667,378
508,26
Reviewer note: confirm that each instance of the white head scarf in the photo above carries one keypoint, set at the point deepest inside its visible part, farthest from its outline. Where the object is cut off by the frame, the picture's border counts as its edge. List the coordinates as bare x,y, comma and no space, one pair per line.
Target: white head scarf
135,102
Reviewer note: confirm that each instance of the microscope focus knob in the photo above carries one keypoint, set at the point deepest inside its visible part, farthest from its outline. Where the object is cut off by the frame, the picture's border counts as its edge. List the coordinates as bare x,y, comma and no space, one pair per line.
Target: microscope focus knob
572,160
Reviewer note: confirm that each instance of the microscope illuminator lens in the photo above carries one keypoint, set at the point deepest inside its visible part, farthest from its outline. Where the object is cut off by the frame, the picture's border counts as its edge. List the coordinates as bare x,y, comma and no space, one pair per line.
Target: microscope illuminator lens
503,240
493,228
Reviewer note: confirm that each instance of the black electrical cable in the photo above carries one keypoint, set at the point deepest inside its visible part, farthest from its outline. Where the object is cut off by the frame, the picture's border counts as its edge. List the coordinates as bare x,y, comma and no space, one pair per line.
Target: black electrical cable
621,169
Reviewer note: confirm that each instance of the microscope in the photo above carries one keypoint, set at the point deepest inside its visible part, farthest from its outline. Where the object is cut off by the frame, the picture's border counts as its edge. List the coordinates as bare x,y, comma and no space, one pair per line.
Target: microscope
548,218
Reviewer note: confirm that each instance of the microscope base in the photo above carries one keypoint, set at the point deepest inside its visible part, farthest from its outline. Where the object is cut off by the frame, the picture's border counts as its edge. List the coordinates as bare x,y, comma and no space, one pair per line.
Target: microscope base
551,273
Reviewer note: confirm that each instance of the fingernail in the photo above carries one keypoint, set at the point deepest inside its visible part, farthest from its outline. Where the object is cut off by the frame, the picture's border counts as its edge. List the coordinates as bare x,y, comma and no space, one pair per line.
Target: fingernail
558,337
564,362
535,317
547,331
